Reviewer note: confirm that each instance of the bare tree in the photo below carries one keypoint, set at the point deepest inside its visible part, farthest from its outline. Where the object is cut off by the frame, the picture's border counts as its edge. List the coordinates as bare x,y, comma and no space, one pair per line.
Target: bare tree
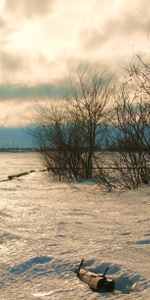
132,137
139,72
89,105
68,139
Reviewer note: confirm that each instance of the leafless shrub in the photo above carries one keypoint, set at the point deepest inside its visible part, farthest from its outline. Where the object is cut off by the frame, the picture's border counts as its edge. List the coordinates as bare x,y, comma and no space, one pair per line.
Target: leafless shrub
103,171
68,139
132,137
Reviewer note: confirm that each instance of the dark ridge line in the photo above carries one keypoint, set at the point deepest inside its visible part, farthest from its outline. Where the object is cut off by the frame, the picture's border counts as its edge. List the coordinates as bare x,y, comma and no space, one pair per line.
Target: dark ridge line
10,177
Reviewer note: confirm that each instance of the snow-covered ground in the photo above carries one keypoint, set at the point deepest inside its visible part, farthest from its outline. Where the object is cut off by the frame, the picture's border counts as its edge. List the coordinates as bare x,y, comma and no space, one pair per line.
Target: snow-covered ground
47,227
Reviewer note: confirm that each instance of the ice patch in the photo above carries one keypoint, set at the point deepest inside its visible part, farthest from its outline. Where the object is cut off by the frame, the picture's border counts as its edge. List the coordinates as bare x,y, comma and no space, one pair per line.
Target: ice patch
7,236
113,269
29,264
125,233
142,242
128,283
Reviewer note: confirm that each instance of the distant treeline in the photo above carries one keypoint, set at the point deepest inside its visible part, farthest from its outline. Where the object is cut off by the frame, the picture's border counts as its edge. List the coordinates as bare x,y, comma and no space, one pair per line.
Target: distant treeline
11,149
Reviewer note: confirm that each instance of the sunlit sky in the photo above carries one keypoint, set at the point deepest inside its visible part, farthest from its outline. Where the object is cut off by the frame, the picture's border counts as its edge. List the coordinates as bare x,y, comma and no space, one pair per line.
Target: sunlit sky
43,41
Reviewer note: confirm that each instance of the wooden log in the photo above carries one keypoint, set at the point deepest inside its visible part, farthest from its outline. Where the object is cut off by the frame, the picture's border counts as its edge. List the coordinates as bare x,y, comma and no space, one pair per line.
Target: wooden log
99,283
10,177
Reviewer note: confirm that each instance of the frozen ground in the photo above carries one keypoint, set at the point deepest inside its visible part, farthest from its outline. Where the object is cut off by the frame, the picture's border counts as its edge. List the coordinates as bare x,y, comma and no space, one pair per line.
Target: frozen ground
47,227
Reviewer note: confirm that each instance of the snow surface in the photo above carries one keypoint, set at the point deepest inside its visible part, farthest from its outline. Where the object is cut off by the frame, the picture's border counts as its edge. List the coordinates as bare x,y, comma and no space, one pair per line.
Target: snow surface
47,227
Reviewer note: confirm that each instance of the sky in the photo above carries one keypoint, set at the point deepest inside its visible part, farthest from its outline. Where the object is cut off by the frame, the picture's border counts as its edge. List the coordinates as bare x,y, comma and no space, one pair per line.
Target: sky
43,41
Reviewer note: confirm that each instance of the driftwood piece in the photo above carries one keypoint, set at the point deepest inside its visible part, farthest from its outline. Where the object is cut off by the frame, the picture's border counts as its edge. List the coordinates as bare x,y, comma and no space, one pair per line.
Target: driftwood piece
10,177
99,283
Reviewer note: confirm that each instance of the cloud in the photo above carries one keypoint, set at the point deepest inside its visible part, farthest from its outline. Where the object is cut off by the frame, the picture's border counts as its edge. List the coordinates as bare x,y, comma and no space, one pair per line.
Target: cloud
14,114
10,62
22,92
124,22
40,91
28,8
42,41
2,23
11,66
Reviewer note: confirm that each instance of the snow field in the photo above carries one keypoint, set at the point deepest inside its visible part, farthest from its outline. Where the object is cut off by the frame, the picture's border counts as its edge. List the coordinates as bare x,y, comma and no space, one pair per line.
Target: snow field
47,227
